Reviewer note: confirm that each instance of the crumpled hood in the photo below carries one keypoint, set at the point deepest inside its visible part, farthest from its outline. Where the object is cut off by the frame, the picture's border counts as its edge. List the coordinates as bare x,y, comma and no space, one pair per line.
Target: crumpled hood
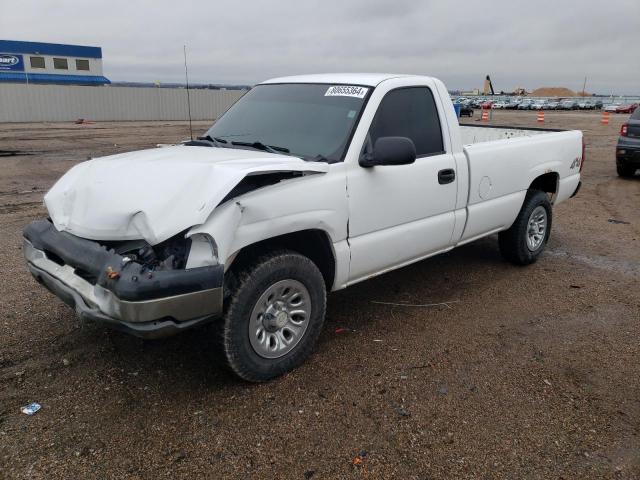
156,193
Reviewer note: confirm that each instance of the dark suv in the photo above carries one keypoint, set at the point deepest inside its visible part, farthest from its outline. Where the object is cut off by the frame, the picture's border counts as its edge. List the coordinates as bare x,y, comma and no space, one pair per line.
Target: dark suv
628,148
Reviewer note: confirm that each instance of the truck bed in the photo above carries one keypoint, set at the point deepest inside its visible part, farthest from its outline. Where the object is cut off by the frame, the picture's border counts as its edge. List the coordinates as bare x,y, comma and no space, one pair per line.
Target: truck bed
487,133
503,161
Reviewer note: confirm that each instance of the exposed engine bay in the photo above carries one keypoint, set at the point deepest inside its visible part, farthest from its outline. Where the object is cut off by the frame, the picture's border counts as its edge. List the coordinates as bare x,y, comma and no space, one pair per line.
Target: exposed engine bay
171,254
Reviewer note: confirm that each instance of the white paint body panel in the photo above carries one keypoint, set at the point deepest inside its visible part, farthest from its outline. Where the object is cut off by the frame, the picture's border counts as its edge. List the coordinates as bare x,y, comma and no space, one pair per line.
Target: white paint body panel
314,202
500,171
376,219
398,213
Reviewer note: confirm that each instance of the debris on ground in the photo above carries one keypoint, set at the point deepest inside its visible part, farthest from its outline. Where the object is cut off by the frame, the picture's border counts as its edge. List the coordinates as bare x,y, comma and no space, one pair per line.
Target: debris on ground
399,409
31,409
619,222
421,305
358,461
418,367
179,456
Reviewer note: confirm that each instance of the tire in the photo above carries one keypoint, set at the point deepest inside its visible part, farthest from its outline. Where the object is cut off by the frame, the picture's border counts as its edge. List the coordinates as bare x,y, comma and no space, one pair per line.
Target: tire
625,171
517,244
258,358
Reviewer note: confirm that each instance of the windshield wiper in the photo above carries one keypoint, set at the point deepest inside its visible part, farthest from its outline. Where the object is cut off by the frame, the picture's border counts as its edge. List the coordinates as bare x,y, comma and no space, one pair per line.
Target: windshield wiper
319,158
261,146
206,141
215,140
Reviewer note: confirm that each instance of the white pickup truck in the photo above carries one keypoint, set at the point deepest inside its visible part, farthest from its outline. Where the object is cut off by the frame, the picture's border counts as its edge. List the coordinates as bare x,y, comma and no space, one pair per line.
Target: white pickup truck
305,185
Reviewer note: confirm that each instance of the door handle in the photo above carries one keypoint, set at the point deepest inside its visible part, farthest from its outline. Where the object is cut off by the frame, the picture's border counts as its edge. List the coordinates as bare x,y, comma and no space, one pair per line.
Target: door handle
447,175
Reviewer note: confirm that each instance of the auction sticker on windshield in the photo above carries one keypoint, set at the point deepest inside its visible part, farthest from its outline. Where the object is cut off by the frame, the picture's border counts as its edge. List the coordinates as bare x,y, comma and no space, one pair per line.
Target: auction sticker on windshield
346,91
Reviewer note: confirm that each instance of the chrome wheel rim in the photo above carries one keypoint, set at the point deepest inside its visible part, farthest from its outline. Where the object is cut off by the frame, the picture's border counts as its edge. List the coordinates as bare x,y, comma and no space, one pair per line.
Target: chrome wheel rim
536,228
279,318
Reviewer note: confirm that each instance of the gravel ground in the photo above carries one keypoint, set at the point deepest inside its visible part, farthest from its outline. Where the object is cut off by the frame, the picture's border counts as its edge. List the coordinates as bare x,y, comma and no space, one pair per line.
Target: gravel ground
527,373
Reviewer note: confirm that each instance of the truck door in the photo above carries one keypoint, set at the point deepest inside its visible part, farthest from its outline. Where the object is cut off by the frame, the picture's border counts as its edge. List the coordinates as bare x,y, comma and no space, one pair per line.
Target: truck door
401,213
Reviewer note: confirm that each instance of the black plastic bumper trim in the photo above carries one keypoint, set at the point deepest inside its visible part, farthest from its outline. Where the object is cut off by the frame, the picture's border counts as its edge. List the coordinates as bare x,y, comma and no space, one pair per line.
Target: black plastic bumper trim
133,282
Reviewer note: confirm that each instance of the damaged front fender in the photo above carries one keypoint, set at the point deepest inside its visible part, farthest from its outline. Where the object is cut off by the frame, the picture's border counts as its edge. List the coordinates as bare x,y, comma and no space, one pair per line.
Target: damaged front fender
221,226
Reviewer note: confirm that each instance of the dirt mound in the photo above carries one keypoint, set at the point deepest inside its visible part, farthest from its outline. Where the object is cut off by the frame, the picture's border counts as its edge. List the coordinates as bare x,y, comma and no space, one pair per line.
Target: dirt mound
553,92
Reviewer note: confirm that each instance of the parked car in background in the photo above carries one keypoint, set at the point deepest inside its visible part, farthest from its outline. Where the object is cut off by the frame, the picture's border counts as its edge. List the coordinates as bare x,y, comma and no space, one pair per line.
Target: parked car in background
525,104
466,111
585,105
553,105
539,105
628,108
597,105
628,148
568,105
612,107
500,105
487,104
513,104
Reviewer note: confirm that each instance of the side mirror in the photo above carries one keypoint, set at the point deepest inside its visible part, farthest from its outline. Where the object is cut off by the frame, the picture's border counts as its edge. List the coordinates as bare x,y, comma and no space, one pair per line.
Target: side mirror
390,151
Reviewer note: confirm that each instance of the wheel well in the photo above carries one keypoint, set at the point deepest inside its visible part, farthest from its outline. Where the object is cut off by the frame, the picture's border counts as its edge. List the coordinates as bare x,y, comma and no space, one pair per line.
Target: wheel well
313,244
546,183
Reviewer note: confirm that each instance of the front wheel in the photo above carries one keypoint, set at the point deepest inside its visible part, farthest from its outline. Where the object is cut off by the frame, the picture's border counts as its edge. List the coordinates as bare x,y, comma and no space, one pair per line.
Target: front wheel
526,239
274,316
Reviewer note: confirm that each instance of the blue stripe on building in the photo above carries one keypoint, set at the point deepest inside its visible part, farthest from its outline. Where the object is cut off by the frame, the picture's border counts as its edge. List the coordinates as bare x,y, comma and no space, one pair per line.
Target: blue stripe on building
14,77
39,48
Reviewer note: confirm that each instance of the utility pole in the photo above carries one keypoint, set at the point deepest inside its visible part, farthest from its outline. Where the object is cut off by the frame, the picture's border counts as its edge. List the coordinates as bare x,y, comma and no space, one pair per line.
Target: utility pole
186,76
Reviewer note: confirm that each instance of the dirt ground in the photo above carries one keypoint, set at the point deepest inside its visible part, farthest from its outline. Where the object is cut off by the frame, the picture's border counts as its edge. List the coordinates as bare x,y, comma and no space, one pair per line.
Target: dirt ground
529,373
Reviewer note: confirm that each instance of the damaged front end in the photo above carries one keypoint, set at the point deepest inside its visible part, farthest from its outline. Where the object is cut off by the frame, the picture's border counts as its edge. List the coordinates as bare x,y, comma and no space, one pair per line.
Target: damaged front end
149,291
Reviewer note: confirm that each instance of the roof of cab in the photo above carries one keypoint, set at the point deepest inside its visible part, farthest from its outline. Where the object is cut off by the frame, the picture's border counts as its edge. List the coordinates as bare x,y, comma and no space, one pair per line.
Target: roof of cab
367,79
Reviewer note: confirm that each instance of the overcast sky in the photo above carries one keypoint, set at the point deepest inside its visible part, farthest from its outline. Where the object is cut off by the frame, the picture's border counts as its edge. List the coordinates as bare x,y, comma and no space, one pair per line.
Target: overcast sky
519,43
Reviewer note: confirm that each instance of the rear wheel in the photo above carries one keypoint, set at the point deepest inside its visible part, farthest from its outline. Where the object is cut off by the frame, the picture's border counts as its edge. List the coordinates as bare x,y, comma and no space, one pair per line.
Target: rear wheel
526,239
625,170
274,316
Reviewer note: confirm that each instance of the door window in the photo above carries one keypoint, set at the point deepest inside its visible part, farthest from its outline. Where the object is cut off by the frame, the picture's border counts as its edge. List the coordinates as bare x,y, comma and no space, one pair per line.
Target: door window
412,113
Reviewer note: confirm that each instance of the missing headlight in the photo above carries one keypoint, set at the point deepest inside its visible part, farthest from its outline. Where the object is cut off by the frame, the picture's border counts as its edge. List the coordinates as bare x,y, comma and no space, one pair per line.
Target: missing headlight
168,255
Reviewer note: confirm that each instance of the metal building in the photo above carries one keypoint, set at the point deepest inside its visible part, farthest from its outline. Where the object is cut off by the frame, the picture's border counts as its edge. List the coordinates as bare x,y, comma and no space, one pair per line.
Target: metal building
47,63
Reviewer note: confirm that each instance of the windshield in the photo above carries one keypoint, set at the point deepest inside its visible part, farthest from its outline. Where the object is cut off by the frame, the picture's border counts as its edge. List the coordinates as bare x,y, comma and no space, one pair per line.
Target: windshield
312,121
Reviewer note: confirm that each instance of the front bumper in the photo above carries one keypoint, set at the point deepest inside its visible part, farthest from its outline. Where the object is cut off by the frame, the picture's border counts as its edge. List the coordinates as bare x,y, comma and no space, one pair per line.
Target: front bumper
149,304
